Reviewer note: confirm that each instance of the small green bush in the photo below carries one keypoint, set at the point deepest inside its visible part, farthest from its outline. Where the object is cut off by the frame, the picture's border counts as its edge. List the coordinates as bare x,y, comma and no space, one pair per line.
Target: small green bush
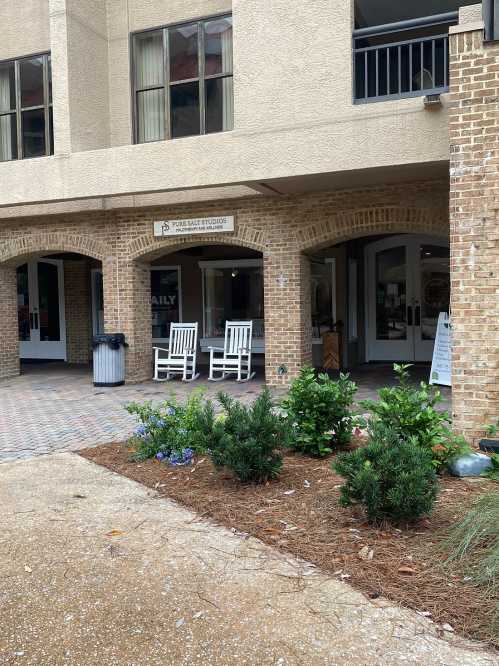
245,439
493,472
168,427
410,411
319,411
392,479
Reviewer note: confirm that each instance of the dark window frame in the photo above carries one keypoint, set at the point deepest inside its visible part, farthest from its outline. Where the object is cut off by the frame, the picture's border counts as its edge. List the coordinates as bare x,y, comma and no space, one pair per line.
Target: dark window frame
46,106
167,84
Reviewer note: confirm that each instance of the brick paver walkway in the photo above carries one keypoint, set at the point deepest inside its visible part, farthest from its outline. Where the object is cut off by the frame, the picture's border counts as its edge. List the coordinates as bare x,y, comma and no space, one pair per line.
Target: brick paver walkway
53,407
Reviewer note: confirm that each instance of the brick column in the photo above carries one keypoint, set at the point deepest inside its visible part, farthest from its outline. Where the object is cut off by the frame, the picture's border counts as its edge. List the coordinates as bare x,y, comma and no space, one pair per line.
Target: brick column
9,338
474,228
127,309
288,325
78,311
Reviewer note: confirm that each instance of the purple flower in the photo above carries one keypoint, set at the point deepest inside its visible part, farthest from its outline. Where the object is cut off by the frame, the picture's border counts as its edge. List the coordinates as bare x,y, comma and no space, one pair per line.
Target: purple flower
160,456
141,431
170,411
184,458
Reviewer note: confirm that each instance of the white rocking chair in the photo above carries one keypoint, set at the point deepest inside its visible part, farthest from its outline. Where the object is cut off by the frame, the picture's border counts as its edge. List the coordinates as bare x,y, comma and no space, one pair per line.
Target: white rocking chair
236,358
181,354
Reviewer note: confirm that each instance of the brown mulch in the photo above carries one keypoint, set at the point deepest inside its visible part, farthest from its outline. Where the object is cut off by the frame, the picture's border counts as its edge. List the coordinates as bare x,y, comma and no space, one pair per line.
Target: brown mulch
299,513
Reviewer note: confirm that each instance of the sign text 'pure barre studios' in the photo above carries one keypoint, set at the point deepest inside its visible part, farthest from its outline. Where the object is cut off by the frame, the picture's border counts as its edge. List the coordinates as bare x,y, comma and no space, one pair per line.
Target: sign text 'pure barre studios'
196,225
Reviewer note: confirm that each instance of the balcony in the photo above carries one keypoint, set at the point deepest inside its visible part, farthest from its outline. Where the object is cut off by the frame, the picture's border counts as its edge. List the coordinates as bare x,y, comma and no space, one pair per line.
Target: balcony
402,59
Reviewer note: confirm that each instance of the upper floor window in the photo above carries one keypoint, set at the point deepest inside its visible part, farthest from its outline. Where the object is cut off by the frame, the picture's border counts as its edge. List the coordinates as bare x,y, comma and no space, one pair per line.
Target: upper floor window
26,108
183,80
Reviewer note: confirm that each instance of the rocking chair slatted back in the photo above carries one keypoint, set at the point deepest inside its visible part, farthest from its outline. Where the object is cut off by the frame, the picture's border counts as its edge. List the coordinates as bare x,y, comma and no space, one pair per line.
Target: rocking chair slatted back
238,335
183,337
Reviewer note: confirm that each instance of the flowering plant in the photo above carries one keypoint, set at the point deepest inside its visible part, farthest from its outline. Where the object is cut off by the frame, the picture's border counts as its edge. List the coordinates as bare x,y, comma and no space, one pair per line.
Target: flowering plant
167,428
185,457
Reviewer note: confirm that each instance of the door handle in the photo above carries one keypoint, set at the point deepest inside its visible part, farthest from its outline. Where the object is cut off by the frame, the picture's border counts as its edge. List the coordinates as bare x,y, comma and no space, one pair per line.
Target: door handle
417,315
409,315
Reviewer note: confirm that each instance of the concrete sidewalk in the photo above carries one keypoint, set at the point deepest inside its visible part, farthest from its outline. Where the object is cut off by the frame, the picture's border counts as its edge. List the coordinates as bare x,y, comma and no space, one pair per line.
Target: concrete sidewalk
96,570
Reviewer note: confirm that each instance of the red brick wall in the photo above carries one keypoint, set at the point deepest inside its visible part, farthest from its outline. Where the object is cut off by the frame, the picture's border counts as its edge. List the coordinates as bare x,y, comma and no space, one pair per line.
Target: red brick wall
78,310
474,230
9,334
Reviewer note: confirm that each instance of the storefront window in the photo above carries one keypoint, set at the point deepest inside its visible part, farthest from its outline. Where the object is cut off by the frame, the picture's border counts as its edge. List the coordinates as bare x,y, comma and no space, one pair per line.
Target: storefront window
232,292
165,300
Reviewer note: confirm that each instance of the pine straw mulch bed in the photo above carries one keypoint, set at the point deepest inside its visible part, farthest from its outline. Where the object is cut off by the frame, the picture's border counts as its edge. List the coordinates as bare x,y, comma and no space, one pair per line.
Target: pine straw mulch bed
299,513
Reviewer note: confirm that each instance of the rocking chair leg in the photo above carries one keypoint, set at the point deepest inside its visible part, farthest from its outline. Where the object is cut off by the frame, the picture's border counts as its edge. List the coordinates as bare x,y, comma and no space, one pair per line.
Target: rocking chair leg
193,378
217,379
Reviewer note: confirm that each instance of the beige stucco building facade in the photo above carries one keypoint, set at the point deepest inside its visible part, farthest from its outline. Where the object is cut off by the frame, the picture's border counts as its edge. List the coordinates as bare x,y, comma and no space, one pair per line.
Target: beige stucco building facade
361,181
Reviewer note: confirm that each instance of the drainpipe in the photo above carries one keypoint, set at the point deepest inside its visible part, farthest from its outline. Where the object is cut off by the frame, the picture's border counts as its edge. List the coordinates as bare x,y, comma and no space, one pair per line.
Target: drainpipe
490,10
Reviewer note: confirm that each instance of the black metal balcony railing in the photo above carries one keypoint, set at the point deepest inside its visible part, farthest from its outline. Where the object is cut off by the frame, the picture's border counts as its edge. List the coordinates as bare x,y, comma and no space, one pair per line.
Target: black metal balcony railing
386,67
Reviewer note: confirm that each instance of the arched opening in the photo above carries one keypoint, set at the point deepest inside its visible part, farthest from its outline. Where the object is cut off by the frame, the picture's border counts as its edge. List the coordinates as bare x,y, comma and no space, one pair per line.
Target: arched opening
382,296
209,284
60,306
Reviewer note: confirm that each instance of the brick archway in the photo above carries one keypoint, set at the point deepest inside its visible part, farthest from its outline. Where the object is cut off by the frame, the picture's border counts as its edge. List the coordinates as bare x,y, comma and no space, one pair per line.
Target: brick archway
17,250
353,224
14,250
148,248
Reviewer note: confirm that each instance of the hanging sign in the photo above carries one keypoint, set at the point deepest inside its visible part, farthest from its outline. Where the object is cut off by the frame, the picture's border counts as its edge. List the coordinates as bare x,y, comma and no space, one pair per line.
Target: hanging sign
195,225
441,362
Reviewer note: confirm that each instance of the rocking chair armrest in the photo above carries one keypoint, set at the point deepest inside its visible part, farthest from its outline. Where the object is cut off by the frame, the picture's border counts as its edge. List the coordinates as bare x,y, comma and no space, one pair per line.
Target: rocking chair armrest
165,349
244,349
221,349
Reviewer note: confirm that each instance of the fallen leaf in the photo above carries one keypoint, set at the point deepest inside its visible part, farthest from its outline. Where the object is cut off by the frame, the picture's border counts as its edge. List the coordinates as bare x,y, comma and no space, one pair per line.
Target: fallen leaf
289,492
447,627
406,570
114,533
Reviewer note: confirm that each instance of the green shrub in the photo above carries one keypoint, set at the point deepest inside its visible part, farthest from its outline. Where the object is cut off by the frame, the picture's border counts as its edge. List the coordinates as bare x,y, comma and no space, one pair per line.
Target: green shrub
410,411
319,411
493,472
168,427
244,438
492,429
393,479
474,542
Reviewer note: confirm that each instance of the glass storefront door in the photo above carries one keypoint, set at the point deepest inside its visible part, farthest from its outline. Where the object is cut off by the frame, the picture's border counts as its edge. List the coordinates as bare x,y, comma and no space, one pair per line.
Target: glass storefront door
408,285
40,299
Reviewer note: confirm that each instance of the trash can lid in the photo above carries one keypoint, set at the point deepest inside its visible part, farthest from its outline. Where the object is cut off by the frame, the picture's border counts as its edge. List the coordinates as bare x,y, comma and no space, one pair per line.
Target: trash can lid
112,339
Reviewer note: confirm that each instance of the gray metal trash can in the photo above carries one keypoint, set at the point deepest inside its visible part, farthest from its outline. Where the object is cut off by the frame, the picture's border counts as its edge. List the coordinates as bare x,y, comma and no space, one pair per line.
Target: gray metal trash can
109,359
